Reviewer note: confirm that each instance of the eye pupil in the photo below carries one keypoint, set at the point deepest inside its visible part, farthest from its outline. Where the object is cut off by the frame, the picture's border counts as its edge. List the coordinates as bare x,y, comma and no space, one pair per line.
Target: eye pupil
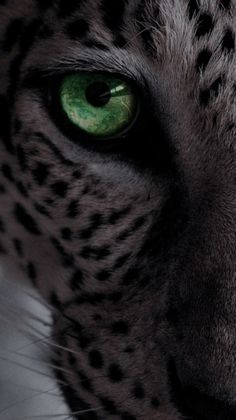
98,94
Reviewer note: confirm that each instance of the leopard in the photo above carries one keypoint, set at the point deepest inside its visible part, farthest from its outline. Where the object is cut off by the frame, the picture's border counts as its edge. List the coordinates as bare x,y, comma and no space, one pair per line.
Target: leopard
118,197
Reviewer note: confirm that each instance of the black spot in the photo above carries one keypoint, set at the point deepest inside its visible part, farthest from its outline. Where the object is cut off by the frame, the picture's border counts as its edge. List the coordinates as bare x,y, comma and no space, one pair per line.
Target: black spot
40,173
203,59
95,222
129,350
108,405
113,13
137,224
32,273
77,174
193,8
25,220
12,34
204,97
22,158
231,127
55,301
66,258
2,227
5,126
7,172
121,261
76,280
96,253
22,189
71,359
72,209
42,210
77,29
225,4
215,87
205,94
120,327
115,373
228,41
103,275
118,215
18,246
138,391
60,188
205,24
85,381
66,234
95,359
2,189
2,249
155,402
84,340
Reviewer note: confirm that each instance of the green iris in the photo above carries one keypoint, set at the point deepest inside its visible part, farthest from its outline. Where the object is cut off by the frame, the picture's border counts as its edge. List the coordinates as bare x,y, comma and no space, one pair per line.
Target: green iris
101,105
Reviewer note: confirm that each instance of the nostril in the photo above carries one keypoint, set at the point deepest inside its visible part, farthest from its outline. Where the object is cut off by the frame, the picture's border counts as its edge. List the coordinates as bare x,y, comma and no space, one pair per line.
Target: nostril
204,407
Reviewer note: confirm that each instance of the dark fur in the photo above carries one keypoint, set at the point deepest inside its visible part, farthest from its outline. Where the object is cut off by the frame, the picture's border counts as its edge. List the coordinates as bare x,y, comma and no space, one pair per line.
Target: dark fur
134,249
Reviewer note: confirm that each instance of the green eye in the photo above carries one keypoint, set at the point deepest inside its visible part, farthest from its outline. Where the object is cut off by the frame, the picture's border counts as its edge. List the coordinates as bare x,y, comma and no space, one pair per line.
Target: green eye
100,105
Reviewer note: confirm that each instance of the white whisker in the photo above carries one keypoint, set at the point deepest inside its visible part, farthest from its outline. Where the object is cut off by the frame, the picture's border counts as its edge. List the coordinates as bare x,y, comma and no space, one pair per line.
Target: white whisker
56,416
38,394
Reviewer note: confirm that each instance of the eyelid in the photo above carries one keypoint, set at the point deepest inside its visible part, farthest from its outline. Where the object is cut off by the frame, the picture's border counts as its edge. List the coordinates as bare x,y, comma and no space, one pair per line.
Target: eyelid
38,77
86,59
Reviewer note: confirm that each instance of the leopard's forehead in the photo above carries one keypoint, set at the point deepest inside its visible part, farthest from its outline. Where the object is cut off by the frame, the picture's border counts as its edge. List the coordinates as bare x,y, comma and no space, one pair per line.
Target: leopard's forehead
154,28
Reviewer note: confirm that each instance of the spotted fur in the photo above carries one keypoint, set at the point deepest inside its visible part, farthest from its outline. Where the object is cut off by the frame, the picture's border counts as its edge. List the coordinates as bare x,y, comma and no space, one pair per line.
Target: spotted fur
134,249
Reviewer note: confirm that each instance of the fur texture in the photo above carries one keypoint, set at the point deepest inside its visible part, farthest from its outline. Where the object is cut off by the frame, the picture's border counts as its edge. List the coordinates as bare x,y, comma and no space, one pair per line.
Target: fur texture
134,249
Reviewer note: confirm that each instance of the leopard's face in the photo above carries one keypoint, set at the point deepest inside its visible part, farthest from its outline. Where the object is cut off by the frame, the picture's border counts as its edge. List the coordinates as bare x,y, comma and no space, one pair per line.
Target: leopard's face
129,237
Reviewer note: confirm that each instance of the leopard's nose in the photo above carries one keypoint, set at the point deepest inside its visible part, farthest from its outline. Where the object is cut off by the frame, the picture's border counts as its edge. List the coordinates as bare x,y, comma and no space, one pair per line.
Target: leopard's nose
199,406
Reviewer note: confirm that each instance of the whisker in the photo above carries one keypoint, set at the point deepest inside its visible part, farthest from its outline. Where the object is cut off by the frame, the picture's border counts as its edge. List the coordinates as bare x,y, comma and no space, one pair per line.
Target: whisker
14,312
52,416
29,388
58,346
5,409
21,365
42,362
26,333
